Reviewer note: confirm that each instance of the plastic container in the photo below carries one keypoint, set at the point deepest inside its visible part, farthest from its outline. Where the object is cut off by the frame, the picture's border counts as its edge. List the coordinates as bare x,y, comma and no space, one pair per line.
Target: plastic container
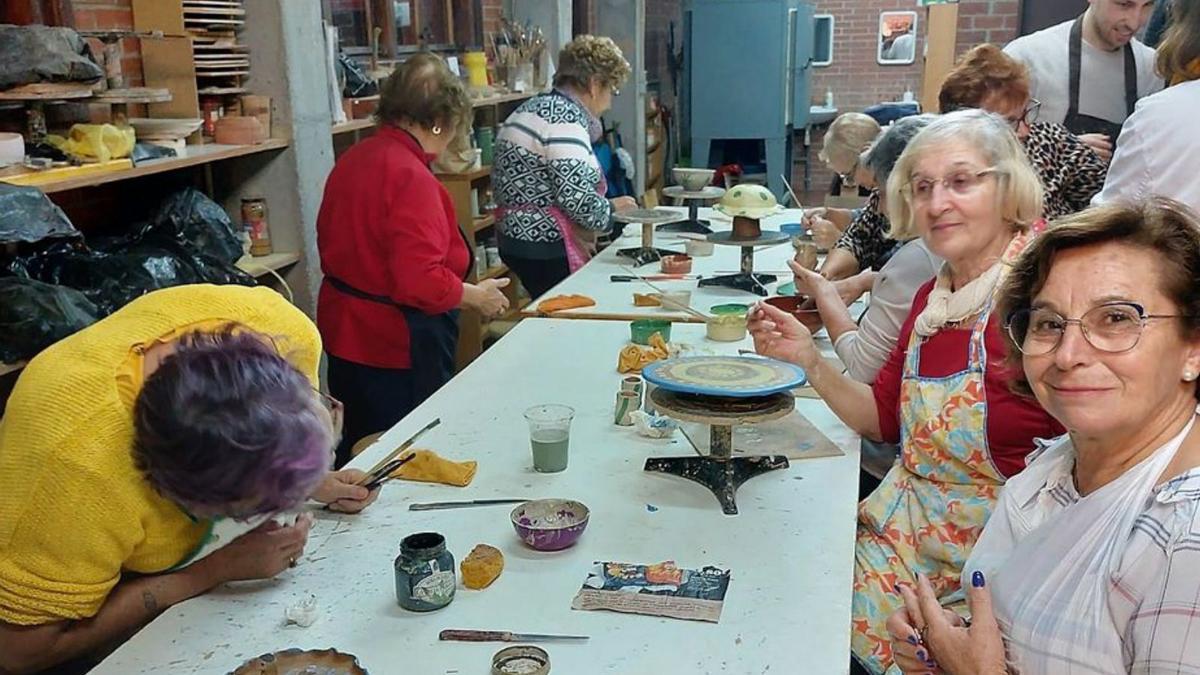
728,322
698,249
676,264
641,330
476,63
425,578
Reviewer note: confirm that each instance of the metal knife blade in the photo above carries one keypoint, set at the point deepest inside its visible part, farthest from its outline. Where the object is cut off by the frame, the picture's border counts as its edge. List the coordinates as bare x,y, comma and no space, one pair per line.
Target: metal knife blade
437,506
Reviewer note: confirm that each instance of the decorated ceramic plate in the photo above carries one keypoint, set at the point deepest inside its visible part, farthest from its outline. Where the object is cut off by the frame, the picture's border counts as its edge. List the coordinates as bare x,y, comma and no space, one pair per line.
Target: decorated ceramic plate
734,376
302,662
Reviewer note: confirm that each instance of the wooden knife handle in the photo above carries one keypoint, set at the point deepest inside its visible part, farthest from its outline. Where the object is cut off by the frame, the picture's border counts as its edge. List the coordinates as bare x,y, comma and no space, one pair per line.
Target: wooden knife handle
475,635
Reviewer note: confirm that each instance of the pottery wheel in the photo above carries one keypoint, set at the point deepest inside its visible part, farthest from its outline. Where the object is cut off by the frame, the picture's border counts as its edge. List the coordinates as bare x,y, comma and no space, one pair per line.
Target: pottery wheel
767,238
648,216
720,471
709,192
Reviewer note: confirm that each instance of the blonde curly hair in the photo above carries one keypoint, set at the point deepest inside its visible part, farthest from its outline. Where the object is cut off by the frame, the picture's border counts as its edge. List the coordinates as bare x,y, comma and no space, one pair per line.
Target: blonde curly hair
588,58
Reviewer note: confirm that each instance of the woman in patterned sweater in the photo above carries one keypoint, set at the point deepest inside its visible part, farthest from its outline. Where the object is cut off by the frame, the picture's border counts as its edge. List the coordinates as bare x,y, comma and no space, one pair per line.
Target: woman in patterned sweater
548,184
989,79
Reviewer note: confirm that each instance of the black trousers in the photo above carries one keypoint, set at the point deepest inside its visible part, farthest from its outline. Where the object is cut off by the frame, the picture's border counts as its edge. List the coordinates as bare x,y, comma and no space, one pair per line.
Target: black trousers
538,276
375,399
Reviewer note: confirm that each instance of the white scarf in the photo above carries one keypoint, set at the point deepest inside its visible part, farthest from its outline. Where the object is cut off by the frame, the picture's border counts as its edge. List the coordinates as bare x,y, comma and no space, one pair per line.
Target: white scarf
946,307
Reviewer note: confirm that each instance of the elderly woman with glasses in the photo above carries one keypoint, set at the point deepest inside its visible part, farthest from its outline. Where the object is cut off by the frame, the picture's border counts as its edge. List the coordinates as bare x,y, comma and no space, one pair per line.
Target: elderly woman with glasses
1090,562
123,445
964,186
1071,171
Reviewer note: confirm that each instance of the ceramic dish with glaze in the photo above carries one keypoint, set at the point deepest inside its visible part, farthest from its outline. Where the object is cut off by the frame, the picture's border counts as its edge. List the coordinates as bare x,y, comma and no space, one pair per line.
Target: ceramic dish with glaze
692,180
550,524
676,264
731,376
302,662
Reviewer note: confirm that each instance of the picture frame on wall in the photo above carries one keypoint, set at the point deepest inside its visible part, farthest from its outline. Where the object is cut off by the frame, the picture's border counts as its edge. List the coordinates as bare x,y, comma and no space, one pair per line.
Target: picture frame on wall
897,45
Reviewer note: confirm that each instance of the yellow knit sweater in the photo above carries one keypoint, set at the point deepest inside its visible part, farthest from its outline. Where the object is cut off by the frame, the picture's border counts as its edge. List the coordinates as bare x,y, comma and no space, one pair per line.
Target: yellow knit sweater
74,511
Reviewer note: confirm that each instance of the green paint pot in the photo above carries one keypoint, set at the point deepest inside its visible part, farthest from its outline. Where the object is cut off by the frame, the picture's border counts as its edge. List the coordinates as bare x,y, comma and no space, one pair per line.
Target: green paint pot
641,330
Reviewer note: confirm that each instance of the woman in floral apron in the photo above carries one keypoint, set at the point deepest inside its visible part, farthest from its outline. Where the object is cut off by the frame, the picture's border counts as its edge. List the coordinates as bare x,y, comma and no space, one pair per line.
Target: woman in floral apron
964,186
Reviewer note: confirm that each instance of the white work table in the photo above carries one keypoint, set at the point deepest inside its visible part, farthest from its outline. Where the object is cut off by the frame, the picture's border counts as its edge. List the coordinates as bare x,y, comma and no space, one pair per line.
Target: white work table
791,548
614,300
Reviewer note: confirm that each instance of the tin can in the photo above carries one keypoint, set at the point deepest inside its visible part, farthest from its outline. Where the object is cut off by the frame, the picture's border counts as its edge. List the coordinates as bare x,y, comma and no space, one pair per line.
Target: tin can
521,660
254,221
627,403
425,578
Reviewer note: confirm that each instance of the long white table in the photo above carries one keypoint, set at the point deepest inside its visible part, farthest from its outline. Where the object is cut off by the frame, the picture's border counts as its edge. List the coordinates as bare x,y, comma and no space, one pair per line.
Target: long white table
790,549
614,300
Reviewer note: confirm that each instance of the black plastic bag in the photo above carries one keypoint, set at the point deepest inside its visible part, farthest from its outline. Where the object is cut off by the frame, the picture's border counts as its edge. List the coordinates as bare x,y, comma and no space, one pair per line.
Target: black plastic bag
356,84
30,54
191,219
27,215
34,315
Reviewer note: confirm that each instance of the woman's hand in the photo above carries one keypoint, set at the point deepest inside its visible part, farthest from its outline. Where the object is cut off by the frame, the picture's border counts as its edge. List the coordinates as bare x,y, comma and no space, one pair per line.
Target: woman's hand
342,493
927,637
486,297
821,290
1101,143
623,203
825,232
261,553
781,336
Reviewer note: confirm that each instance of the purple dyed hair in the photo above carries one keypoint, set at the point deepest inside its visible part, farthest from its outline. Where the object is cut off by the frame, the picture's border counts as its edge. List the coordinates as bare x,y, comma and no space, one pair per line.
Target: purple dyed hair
226,426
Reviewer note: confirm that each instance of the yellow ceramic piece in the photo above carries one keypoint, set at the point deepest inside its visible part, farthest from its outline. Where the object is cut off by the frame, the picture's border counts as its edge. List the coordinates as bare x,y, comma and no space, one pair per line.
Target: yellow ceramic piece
748,201
481,566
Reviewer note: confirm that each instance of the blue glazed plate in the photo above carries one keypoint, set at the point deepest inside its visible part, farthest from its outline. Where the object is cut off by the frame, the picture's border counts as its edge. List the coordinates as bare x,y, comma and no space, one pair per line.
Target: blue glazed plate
734,376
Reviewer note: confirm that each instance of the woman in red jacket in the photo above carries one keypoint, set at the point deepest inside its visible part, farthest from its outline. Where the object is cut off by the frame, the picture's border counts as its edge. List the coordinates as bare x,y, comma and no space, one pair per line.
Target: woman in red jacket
394,257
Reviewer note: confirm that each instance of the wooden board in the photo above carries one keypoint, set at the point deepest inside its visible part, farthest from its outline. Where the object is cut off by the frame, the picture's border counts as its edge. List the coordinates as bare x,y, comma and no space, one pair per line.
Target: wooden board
134,95
221,91
232,73
164,15
212,3
189,11
941,42
232,47
221,65
47,91
167,64
198,23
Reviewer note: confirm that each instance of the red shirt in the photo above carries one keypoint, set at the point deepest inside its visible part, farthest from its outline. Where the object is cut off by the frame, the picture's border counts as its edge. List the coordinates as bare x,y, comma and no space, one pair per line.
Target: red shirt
386,227
1012,421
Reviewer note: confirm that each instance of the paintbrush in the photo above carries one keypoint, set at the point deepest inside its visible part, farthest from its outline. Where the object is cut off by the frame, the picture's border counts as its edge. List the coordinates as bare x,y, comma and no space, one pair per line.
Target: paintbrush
461,635
665,300
374,473
438,506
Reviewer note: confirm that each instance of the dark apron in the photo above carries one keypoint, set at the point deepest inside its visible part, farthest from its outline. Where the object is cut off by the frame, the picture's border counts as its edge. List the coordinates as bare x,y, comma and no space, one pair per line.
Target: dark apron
1079,124
432,338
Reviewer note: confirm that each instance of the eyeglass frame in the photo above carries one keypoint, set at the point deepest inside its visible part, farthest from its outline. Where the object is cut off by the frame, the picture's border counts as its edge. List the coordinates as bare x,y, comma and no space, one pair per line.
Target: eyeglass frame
847,179
1028,116
337,410
908,191
1143,319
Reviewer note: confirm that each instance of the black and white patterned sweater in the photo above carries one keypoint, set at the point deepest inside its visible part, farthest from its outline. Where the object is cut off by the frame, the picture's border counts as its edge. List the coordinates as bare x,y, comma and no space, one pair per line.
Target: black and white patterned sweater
544,160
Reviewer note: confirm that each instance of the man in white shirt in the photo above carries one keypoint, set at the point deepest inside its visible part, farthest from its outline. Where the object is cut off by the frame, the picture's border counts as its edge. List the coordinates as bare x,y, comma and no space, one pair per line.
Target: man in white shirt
1088,73
1159,150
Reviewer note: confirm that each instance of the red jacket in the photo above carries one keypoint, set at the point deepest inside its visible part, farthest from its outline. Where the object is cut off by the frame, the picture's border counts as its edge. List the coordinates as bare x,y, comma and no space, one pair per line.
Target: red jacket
387,228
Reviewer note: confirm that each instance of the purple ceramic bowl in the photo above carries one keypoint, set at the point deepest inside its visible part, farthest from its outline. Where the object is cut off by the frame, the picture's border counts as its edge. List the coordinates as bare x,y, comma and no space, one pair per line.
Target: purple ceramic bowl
550,524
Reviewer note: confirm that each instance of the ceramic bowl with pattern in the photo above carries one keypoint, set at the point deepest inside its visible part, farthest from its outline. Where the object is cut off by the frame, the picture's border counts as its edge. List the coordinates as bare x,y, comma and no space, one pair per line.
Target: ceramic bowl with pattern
550,524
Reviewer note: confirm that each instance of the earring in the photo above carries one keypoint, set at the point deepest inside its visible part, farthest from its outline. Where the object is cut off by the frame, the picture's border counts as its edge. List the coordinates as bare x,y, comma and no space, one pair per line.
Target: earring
436,130
1188,376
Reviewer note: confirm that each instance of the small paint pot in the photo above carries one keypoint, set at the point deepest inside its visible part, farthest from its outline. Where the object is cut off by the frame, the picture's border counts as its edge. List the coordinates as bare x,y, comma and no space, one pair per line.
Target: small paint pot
627,403
676,264
425,578
641,330
728,322
698,249
632,383
791,304
675,300
521,660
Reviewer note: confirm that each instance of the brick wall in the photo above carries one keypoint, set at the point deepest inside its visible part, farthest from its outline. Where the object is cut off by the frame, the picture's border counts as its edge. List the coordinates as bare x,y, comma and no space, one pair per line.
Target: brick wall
492,9
979,21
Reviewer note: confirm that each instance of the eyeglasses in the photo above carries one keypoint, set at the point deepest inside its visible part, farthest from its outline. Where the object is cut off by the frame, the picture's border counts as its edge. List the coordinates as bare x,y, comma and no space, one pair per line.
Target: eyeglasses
337,410
959,183
1113,327
848,177
1028,116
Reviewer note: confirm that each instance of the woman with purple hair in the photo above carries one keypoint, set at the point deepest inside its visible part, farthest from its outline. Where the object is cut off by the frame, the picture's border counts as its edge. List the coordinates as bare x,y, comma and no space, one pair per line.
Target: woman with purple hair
123,445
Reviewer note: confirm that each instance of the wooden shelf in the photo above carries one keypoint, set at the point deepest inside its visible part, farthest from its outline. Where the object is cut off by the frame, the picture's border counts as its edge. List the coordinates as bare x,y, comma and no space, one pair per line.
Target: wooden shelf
197,155
502,98
482,223
353,125
474,175
494,272
257,266
6,368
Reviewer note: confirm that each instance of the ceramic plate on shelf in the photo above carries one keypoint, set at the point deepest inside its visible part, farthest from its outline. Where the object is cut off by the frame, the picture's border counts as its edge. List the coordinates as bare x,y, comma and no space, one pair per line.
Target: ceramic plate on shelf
733,376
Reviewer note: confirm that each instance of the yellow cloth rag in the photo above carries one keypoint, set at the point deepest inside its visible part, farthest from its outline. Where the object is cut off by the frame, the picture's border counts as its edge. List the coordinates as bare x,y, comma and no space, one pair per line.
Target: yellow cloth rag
429,467
633,358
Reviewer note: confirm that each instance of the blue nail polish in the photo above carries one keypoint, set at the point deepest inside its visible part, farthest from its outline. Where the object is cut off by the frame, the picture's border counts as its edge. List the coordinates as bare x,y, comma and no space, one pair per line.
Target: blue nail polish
977,579
921,655
912,640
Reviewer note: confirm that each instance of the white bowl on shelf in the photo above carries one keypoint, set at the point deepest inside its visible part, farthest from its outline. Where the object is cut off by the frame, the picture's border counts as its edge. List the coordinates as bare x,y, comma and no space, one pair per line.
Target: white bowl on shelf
692,180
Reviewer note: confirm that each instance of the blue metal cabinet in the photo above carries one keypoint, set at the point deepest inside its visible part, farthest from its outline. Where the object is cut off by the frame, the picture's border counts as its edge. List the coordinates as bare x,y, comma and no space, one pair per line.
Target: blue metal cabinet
748,74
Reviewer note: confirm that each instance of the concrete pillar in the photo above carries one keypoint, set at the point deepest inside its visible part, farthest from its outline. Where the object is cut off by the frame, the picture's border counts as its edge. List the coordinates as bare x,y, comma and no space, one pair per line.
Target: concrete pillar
288,64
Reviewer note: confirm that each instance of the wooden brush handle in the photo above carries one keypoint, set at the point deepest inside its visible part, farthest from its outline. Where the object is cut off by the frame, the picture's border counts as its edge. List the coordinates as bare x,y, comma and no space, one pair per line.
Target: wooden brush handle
475,635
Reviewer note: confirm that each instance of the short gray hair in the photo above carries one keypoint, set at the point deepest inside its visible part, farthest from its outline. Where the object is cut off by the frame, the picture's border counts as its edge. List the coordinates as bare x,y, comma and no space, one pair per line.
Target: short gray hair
883,154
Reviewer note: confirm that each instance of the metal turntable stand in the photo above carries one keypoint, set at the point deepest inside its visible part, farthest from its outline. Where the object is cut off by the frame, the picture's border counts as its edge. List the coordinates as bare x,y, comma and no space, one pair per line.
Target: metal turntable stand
693,198
720,471
746,280
646,253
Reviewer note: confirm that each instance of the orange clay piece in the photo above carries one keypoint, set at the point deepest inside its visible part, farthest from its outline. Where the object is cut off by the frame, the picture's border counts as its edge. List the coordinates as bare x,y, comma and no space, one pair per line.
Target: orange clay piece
481,566
561,302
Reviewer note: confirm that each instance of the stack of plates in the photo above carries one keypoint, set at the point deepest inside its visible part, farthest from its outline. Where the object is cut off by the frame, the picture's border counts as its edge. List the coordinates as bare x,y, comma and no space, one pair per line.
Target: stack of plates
219,59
